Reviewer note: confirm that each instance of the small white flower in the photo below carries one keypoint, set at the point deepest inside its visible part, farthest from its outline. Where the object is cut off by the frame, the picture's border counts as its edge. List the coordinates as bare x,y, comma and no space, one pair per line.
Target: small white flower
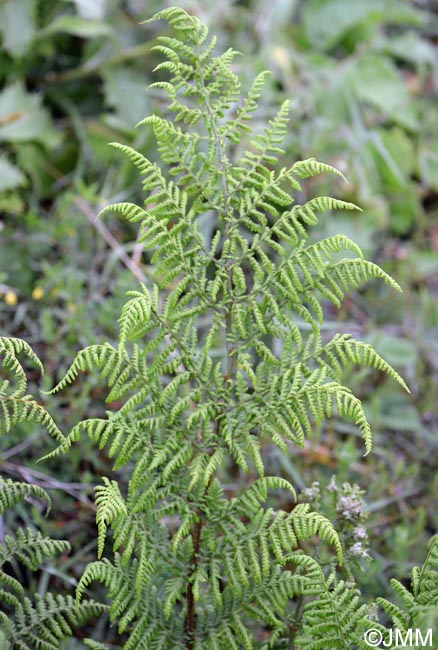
350,507
313,492
357,550
360,533
332,487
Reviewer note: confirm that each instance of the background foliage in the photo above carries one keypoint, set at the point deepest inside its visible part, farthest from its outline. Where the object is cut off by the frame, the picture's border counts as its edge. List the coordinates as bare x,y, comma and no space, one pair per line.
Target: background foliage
363,80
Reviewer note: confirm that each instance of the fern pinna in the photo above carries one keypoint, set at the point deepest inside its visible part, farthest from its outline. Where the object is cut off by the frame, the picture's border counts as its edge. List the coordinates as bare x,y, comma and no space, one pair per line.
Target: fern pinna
223,353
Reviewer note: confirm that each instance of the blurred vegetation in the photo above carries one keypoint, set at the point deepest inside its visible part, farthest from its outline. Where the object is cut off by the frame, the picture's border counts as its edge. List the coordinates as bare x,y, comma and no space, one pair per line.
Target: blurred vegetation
363,80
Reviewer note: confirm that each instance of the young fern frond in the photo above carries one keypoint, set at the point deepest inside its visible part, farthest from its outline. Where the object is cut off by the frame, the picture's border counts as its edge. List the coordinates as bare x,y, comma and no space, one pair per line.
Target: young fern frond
311,167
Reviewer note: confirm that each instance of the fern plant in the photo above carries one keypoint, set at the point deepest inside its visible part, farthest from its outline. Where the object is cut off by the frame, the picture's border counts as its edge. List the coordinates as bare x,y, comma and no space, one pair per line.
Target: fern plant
29,621
334,615
418,609
221,355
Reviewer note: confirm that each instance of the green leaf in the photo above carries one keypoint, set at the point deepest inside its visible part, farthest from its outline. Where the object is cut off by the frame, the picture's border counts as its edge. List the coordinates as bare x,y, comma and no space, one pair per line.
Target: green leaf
17,25
32,120
398,352
428,164
91,9
398,415
396,157
410,47
375,80
125,92
77,26
326,21
10,175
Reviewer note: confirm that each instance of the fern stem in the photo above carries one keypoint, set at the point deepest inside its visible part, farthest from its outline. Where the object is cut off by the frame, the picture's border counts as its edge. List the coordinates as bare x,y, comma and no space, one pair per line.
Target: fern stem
191,613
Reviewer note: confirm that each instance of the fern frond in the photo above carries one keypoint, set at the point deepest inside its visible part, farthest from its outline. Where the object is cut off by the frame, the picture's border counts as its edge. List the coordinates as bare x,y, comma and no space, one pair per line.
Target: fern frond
48,621
130,211
110,504
14,347
351,273
15,410
192,28
344,350
30,548
12,492
311,167
330,620
236,128
424,593
306,524
222,354
135,316
95,645
103,357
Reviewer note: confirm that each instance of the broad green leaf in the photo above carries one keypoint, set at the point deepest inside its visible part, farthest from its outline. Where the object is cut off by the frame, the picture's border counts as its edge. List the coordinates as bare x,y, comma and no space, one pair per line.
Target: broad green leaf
410,47
17,25
325,22
398,352
375,79
125,92
91,9
428,164
398,414
78,26
405,207
395,157
32,122
10,175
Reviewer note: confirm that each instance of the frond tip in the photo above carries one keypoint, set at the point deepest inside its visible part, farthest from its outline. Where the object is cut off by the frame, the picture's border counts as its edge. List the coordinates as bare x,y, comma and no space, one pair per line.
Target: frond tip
13,492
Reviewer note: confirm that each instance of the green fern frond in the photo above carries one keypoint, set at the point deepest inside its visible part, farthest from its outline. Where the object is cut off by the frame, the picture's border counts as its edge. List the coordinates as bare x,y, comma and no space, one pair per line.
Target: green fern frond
14,347
306,524
192,28
110,504
15,405
311,167
47,622
351,273
344,350
103,357
15,410
422,599
12,492
235,129
95,645
135,316
130,211
330,620
30,548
